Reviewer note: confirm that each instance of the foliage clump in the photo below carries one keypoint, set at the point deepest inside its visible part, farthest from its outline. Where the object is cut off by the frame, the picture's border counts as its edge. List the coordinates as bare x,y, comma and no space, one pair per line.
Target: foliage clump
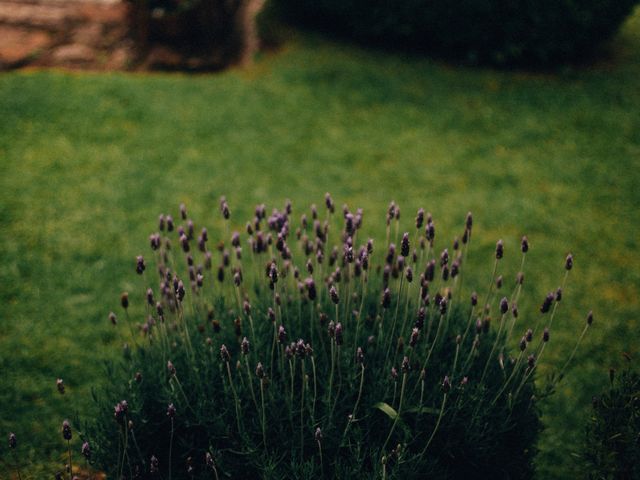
612,446
302,349
483,31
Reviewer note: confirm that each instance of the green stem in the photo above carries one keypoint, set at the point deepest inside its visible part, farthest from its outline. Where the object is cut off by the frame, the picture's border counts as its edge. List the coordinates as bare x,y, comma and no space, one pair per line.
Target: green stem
395,422
235,397
435,429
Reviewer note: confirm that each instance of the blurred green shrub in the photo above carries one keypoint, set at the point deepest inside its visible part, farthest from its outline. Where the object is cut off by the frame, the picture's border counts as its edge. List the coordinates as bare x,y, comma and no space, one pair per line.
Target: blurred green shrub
542,32
613,434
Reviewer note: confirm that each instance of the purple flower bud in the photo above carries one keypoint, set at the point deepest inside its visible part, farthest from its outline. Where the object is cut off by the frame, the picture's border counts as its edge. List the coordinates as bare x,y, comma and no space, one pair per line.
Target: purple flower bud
499,282
430,232
444,257
558,294
171,411
60,386
154,241
446,385
469,221
445,273
138,377
329,202
224,354
170,224
359,355
391,253
404,245
338,334
443,306
140,266
13,441
529,335
531,361
524,244
244,346
523,344
153,465
545,335
161,222
546,304
66,430
331,329
405,365
124,300
386,298
455,268
310,285
86,450
282,335
590,317
568,264
333,294
514,310
415,334
474,299
409,274
499,249
420,318
318,435
430,269
170,368
504,305
259,371
394,373
420,218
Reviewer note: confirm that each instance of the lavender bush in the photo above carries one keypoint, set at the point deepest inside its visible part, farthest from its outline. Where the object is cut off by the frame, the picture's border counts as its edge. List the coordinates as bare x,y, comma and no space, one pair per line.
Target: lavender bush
297,348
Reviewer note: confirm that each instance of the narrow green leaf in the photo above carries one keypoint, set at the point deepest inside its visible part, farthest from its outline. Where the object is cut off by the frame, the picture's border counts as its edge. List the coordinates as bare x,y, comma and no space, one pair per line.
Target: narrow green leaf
386,409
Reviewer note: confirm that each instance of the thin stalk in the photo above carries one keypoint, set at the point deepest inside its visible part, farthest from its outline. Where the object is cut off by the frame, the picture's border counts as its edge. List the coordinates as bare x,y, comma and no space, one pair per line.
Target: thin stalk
393,324
321,465
355,407
235,397
493,348
435,429
395,421
264,430
302,412
333,361
315,392
71,465
170,447
575,349
253,396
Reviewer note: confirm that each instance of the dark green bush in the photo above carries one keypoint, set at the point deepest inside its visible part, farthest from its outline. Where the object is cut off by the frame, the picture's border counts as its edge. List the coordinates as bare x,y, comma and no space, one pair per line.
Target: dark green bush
441,388
487,31
612,448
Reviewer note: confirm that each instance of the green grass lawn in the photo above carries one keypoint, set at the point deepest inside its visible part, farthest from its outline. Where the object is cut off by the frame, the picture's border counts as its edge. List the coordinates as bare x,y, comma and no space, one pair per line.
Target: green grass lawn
88,161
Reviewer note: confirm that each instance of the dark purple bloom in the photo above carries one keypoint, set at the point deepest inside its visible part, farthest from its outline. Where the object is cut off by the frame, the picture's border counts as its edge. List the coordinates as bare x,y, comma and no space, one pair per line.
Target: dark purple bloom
338,334
333,294
404,245
124,300
171,411
499,249
446,385
504,305
386,298
568,263
140,266
224,354
66,430
13,441
546,304
244,346
60,386
545,335
420,218
524,244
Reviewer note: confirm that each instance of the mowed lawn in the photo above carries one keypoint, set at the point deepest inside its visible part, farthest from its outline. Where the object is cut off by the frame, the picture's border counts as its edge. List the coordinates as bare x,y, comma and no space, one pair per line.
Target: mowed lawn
88,161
